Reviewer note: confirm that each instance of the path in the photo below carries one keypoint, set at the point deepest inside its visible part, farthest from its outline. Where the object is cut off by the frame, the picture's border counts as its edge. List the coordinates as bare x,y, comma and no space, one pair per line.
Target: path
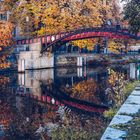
123,116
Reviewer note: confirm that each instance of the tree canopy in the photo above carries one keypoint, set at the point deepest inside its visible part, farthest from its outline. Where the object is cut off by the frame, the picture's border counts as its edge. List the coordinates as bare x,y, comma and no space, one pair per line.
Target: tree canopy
39,17
50,17
132,15
6,28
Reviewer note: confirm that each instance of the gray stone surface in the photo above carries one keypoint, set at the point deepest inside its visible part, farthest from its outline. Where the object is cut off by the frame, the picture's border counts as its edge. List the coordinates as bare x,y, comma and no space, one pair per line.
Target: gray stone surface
136,92
113,134
123,116
120,119
129,109
133,100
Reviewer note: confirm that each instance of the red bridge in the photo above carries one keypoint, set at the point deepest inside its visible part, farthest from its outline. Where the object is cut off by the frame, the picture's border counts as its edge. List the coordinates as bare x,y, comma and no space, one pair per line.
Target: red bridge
79,34
70,102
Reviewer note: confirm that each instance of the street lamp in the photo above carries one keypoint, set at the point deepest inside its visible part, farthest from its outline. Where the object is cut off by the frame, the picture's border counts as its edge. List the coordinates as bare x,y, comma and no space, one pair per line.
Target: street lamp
27,21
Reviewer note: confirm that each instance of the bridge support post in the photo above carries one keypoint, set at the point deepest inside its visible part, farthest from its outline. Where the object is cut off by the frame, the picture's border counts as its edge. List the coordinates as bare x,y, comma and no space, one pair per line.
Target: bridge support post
106,45
21,65
79,72
79,61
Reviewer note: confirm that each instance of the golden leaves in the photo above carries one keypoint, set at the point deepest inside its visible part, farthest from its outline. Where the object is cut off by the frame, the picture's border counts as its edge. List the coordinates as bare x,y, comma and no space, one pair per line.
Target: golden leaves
85,90
114,45
85,43
5,33
58,16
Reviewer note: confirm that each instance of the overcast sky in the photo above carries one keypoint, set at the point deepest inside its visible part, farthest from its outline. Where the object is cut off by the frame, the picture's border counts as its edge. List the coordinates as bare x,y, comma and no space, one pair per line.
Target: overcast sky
121,4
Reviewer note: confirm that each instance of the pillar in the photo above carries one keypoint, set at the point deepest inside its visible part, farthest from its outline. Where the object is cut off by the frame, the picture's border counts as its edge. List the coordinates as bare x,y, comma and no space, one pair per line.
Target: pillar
21,65
106,45
79,61
79,72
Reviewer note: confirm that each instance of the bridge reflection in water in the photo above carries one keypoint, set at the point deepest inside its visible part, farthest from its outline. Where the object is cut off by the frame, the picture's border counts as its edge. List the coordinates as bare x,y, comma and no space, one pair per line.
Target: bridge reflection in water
47,103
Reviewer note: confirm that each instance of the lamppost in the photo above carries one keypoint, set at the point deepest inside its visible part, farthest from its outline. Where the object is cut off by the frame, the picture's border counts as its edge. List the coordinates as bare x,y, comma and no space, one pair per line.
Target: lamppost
27,21
108,24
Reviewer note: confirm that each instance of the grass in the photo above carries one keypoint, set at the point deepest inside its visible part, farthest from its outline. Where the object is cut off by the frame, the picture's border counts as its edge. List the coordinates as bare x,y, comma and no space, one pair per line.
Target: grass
128,88
110,113
132,128
68,133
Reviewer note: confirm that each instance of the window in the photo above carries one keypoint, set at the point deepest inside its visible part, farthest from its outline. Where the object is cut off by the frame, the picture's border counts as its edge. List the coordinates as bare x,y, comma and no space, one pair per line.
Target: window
3,17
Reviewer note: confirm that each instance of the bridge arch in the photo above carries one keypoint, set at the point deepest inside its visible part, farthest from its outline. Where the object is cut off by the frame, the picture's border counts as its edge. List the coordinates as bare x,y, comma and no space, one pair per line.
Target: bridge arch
79,34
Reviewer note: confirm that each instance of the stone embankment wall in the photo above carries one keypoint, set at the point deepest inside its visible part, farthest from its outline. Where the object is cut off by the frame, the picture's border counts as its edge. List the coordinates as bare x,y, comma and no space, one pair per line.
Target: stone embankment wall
32,59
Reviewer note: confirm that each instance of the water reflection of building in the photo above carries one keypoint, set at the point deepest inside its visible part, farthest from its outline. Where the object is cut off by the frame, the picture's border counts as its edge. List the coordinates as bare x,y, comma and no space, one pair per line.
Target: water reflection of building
30,81
57,115
134,71
68,77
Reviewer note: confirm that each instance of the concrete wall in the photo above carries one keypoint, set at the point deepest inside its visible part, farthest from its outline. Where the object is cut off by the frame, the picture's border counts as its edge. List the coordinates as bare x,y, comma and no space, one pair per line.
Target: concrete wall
32,59
69,60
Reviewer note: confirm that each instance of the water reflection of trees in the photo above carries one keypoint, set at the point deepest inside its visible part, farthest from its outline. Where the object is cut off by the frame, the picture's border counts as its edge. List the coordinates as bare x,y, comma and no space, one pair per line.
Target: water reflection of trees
5,114
26,122
84,90
107,90
4,80
30,114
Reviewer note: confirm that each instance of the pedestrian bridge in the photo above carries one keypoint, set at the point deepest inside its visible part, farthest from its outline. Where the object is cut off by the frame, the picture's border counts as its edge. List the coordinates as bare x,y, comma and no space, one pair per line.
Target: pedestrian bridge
95,32
35,56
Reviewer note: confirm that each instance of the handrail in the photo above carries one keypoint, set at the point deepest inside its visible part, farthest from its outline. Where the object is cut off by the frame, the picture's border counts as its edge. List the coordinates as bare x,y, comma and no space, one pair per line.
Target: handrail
96,29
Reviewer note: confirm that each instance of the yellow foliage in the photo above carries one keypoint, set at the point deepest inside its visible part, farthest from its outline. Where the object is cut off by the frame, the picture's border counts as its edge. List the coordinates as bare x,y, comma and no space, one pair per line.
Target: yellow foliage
58,16
84,90
85,43
115,45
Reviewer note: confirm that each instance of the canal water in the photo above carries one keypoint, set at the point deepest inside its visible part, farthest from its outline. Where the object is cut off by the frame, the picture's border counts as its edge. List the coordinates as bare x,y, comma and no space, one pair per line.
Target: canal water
62,103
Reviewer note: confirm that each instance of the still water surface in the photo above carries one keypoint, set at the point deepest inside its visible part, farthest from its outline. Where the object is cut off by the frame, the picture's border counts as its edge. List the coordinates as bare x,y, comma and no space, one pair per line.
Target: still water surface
61,104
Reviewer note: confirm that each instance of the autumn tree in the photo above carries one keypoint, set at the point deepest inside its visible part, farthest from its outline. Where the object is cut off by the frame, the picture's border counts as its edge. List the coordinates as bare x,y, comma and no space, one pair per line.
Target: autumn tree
47,17
5,34
53,17
6,28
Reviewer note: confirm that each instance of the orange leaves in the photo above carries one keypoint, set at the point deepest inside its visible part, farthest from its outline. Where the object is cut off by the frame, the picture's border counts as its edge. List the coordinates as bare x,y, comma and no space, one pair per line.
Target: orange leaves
5,33
47,17
5,41
4,65
85,86
85,90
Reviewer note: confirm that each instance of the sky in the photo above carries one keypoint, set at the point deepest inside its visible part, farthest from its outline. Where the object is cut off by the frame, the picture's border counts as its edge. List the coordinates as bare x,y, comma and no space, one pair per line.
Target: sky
121,4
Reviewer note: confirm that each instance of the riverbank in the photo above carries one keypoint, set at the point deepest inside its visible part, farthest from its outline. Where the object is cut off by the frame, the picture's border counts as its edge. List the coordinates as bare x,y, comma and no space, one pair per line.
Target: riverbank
126,123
